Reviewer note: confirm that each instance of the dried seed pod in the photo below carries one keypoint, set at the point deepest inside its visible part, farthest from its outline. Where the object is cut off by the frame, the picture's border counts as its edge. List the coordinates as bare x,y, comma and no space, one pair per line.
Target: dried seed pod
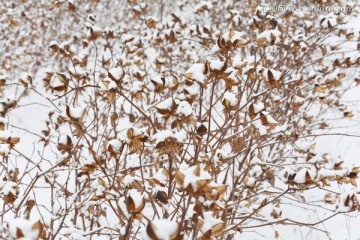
201,130
154,230
162,197
135,203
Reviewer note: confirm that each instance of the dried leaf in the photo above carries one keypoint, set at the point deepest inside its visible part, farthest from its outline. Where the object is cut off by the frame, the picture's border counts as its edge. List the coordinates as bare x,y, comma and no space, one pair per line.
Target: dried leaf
150,230
308,178
88,168
38,226
63,79
113,119
348,114
347,201
29,205
197,171
179,178
353,182
320,88
19,233
217,229
238,144
10,198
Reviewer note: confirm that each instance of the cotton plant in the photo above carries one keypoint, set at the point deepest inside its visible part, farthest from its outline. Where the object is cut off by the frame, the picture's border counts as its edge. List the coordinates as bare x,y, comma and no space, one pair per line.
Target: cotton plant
174,121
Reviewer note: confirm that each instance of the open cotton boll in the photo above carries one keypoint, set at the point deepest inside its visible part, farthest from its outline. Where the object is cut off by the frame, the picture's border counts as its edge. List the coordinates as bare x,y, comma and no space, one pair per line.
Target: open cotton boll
116,73
258,107
76,112
184,108
163,229
112,85
160,176
29,229
162,135
267,34
231,97
7,187
216,64
190,177
262,129
304,175
196,72
136,197
181,135
166,104
116,144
